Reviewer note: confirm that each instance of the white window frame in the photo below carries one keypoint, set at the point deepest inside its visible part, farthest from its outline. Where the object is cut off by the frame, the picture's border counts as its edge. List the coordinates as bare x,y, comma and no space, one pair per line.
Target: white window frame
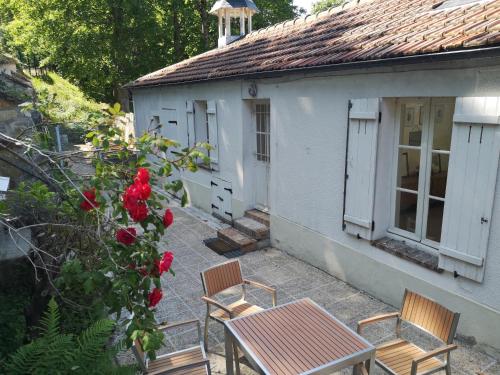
428,123
266,156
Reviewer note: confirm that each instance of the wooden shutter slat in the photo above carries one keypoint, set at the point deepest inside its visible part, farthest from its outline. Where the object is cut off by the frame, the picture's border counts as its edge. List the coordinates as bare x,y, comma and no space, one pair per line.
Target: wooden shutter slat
470,190
361,167
213,133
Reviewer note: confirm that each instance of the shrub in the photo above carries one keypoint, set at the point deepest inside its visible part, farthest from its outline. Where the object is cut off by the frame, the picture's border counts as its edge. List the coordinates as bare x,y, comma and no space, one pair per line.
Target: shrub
57,353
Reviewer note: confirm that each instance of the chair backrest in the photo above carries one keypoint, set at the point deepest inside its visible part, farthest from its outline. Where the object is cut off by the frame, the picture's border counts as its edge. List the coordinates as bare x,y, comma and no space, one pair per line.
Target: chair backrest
221,277
430,316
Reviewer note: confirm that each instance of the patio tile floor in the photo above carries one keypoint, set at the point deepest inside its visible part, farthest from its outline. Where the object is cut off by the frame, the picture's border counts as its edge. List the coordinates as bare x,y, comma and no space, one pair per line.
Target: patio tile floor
293,278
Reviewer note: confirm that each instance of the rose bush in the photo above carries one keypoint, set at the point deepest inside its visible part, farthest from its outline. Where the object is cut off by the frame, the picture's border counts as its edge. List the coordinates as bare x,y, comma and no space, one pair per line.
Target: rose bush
110,228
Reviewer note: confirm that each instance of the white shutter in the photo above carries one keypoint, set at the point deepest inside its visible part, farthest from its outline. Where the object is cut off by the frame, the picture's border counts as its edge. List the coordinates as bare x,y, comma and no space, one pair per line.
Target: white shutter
213,134
470,190
222,196
361,166
190,123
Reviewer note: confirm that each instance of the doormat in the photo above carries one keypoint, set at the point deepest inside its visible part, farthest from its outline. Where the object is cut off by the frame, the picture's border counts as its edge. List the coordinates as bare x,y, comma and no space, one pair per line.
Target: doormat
223,248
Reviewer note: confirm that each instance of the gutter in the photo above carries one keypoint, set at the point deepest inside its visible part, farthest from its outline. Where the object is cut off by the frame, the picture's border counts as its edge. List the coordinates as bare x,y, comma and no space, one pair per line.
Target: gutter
488,52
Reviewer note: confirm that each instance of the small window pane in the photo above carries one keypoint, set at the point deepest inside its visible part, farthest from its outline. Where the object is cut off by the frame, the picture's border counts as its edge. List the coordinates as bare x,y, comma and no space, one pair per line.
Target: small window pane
408,169
439,174
435,220
406,211
443,123
411,125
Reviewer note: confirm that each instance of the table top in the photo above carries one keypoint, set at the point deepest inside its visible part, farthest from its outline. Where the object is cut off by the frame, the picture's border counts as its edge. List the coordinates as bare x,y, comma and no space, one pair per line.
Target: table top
296,337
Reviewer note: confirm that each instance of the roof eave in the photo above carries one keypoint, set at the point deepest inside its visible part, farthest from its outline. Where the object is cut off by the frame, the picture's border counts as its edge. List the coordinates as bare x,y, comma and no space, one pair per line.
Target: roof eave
483,52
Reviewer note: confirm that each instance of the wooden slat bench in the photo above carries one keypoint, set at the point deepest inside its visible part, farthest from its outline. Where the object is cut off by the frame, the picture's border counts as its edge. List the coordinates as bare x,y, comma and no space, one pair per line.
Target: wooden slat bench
400,357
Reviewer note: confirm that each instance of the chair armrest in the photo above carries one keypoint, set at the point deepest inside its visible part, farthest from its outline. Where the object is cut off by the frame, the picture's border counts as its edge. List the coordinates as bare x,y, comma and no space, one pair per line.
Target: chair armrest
263,287
163,327
431,354
260,286
211,301
377,318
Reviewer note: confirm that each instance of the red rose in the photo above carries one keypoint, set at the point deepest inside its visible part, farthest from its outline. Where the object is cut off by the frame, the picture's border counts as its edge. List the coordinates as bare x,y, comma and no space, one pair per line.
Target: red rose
143,271
145,191
139,212
168,218
155,297
126,236
131,266
131,197
89,203
142,176
166,262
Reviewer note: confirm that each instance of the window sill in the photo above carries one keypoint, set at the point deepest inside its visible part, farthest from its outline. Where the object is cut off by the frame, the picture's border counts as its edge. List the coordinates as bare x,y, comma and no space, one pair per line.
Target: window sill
402,250
204,167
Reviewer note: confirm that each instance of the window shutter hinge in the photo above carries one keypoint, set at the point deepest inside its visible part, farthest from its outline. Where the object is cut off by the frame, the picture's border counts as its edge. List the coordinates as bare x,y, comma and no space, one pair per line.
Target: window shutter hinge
213,183
230,190
228,213
214,206
379,117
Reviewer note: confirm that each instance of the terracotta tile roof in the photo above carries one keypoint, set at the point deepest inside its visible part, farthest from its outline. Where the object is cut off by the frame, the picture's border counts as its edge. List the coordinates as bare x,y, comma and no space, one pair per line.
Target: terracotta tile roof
368,30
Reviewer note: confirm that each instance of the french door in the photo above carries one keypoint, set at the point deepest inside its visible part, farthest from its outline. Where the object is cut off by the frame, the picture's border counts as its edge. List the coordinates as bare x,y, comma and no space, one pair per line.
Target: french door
422,151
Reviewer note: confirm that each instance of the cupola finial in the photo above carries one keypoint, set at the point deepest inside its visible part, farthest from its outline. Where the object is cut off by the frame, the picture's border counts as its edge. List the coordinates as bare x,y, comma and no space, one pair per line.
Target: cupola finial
227,9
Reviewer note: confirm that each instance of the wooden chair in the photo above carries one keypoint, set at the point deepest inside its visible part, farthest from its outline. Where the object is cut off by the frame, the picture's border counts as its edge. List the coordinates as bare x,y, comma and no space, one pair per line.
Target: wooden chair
400,357
220,278
191,361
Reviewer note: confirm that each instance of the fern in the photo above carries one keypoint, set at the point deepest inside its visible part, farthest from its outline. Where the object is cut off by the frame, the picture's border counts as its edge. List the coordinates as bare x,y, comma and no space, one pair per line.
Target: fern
57,353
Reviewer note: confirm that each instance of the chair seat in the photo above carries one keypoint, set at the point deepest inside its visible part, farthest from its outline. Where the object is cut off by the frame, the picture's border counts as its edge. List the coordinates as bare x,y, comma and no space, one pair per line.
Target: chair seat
397,356
240,308
166,364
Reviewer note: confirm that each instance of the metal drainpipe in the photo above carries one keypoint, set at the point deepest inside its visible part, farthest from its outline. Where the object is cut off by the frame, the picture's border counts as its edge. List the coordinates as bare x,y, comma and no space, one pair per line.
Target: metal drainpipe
349,106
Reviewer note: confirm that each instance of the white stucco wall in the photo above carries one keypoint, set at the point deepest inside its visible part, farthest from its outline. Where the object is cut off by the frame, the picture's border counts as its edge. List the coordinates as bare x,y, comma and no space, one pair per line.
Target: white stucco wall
308,131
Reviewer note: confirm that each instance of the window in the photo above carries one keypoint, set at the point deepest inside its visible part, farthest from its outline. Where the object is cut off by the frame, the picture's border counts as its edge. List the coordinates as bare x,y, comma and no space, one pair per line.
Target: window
422,155
263,119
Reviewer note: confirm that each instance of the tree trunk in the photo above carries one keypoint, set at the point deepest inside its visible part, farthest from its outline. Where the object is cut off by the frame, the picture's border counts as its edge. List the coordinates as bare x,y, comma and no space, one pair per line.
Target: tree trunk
178,48
203,10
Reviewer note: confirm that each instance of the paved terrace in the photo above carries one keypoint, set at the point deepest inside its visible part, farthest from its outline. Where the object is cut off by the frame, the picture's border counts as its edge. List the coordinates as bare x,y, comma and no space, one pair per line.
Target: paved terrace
293,279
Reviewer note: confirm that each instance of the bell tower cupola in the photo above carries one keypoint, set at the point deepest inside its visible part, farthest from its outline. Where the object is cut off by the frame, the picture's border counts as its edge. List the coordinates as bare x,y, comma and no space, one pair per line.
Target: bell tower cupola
227,9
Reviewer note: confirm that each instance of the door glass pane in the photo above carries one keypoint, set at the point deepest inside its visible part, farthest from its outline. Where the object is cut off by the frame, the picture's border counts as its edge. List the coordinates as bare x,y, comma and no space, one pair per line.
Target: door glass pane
411,124
406,211
439,174
408,168
443,122
435,220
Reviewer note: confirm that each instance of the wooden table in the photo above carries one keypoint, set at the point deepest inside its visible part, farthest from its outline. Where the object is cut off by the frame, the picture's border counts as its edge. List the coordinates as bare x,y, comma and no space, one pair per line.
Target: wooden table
296,338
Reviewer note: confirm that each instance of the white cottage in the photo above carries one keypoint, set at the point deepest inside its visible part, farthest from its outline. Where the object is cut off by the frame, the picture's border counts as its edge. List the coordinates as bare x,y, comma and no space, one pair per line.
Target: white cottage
370,133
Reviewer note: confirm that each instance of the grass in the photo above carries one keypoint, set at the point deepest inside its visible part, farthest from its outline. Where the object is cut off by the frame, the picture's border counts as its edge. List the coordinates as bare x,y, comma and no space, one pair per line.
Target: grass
69,104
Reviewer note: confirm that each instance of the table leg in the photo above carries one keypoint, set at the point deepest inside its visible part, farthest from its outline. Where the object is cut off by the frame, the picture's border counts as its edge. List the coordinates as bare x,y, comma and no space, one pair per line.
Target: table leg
371,364
236,358
229,352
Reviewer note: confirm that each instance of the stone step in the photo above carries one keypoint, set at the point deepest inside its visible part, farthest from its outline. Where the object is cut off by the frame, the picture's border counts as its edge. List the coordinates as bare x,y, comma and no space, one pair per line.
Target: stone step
261,217
235,238
252,228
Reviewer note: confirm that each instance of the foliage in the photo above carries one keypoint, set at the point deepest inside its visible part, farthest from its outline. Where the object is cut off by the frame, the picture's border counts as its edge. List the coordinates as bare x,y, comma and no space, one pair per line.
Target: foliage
57,353
102,44
99,239
16,289
322,5
67,101
13,327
